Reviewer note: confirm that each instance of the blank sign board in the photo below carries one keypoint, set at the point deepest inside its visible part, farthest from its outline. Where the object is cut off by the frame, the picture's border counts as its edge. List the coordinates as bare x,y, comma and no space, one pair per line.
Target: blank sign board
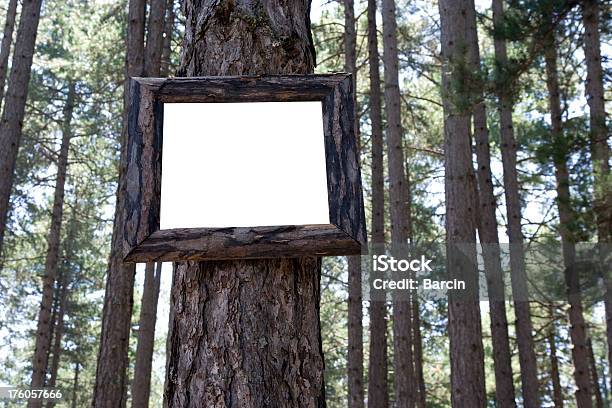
243,165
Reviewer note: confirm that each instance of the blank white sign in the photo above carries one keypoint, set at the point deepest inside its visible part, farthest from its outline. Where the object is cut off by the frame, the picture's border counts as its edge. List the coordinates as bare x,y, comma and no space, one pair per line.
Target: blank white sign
243,165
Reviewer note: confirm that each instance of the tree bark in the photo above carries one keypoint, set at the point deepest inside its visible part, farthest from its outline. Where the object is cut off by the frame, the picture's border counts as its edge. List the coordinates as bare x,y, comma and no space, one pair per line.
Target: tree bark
43,330
14,105
554,363
75,385
58,334
355,313
110,388
486,222
577,328
524,332
166,55
594,377
466,350
403,361
5,47
155,38
378,396
246,333
600,150
141,384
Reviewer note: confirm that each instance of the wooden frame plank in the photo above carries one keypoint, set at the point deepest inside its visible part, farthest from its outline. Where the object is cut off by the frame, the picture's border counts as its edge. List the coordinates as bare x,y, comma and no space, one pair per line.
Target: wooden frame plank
145,242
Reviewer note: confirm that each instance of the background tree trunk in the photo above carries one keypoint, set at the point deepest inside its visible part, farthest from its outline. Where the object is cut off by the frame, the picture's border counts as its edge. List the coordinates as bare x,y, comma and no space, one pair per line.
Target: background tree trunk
14,105
577,328
486,221
166,55
246,333
378,396
554,362
7,41
111,372
155,38
594,377
43,330
466,350
141,384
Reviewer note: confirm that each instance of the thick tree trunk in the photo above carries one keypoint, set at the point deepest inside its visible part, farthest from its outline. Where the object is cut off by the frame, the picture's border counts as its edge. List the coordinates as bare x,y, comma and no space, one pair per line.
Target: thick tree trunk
378,396
14,105
403,361
486,221
246,333
524,332
7,41
355,313
155,38
43,330
466,350
554,363
577,328
594,376
166,55
600,150
141,384
111,372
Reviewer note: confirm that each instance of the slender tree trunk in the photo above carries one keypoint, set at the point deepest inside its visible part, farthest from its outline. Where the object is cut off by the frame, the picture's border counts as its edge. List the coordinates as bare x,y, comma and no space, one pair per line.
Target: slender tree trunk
155,38
7,41
378,396
246,333
75,385
487,231
403,361
600,150
554,363
14,105
594,377
355,312
524,332
141,384
166,55
111,371
466,350
577,328
41,348
417,341
59,332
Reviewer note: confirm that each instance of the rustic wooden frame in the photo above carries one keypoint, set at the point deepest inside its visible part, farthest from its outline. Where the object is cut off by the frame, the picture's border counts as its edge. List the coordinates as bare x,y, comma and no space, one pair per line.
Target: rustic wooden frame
145,242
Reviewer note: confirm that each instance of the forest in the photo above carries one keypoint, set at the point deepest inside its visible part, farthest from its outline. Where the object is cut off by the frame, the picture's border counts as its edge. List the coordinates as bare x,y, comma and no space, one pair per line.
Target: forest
484,142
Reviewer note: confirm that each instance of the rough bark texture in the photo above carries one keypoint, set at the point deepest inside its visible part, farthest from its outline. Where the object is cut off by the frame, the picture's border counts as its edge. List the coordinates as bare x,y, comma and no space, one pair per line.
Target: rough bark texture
141,384
600,150
111,372
557,394
378,396
43,329
466,350
14,104
403,361
246,333
354,358
7,40
486,221
155,38
577,329
524,332
166,55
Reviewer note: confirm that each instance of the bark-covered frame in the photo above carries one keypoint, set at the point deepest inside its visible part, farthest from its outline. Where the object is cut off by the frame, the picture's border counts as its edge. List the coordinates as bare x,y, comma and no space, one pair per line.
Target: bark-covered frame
144,241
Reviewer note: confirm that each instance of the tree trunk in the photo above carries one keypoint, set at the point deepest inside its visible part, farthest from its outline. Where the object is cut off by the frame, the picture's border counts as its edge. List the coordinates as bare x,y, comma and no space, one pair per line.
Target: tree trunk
355,313
141,384
554,363
524,332
600,150
466,350
5,47
14,105
155,38
577,328
111,371
75,385
41,348
58,333
417,341
378,396
486,221
166,55
594,377
246,333
403,361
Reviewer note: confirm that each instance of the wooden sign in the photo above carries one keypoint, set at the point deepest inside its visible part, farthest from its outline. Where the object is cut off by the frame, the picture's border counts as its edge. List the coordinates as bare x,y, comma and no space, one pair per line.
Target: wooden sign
253,167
